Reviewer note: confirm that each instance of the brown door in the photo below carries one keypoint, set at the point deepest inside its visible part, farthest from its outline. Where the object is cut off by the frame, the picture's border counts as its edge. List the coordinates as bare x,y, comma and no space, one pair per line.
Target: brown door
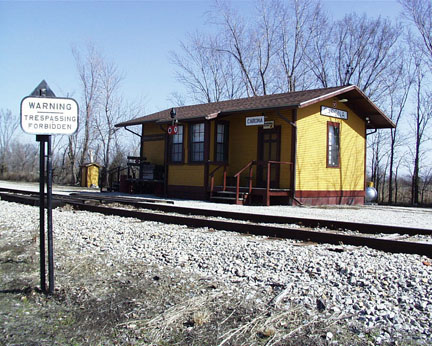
269,143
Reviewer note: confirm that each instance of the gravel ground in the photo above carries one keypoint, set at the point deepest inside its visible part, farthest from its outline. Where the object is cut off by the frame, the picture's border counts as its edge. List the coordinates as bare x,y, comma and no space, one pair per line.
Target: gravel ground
383,298
374,214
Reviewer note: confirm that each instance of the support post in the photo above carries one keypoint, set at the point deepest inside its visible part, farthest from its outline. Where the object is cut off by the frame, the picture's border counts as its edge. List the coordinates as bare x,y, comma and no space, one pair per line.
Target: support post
45,178
49,219
41,140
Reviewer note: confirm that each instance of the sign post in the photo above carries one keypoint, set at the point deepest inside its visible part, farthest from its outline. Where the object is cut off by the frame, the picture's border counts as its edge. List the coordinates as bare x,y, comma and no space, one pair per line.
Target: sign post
44,114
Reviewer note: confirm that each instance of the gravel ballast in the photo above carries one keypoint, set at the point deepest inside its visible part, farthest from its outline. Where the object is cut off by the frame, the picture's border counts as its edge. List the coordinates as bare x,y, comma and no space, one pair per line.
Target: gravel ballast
389,294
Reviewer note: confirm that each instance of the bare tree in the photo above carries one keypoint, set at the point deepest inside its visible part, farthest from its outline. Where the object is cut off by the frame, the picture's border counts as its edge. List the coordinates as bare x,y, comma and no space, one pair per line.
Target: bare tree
238,42
110,109
300,23
421,120
88,66
250,58
24,162
8,125
207,73
425,185
357,50
378,158
398,86
419,12
320,52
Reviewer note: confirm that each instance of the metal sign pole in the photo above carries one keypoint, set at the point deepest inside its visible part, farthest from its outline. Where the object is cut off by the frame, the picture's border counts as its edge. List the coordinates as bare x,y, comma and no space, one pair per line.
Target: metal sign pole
49,218
41,140
37,117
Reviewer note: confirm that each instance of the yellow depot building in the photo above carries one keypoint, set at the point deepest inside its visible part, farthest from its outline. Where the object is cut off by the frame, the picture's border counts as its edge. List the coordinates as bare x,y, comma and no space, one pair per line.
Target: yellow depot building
305,147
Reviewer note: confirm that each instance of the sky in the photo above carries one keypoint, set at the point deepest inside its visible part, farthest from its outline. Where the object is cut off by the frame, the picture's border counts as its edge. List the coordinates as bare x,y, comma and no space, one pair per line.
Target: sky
37,37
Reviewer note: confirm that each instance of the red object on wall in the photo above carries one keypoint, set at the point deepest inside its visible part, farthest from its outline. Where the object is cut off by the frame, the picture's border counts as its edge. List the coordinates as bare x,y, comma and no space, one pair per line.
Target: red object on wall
172,130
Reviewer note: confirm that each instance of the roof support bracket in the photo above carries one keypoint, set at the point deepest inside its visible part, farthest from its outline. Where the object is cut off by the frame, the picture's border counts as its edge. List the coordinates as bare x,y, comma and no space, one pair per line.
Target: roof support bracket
286,119
137,134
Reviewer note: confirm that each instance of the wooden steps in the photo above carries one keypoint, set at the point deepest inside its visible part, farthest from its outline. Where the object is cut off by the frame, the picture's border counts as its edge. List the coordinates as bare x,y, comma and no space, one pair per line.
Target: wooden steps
229,197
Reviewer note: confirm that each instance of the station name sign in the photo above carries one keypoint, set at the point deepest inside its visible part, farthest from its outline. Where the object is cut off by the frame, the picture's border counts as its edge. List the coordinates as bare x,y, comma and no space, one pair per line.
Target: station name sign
49,115
255,121
334,112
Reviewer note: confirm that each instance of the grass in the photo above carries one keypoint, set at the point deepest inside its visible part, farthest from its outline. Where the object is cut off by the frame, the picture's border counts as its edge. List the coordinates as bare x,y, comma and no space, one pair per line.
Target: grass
102,300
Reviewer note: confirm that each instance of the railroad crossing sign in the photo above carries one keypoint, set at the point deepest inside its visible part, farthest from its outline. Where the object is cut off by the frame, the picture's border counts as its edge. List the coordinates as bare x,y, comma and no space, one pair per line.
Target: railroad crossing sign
172,130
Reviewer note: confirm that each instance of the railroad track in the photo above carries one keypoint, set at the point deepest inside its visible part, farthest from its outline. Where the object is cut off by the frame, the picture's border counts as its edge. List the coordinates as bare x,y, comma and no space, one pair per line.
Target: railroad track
380,237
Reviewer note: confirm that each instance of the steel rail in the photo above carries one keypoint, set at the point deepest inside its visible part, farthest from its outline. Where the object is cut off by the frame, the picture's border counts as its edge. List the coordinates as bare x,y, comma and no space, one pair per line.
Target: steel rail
257,218
303,234
387,245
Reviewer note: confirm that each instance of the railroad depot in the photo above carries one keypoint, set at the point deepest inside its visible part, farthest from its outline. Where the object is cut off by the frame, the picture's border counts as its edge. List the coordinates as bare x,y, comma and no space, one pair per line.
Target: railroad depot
304,147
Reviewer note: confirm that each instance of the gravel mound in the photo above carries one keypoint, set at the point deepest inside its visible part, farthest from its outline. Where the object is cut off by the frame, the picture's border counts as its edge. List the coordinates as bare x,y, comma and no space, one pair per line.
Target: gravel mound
385,295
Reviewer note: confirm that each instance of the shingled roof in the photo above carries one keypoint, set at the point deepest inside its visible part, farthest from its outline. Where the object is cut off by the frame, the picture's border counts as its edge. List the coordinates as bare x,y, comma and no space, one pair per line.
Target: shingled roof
357,101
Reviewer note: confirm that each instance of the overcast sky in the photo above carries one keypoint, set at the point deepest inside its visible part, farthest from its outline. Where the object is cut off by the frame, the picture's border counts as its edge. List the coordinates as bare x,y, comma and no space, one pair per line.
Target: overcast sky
36,40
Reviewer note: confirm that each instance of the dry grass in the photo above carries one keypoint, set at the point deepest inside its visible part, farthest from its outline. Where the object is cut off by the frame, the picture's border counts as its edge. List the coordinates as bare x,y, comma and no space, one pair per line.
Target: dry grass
103,300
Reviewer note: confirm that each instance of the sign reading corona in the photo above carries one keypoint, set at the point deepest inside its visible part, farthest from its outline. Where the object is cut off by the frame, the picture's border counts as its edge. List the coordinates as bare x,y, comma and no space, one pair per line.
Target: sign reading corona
253,121
49,115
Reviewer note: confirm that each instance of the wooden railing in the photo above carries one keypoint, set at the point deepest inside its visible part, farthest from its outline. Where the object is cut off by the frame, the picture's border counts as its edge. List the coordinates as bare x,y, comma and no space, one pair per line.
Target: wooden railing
212,176
269,163
112,177
237,176
250,165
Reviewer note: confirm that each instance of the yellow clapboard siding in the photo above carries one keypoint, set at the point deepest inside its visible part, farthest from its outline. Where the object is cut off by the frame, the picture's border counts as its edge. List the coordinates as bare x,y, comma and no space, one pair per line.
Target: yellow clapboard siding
186,175
312,173
243,143
154,151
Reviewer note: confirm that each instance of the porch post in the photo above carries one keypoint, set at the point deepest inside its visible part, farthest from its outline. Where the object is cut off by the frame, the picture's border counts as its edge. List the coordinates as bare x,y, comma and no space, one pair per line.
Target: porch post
293,153
166,164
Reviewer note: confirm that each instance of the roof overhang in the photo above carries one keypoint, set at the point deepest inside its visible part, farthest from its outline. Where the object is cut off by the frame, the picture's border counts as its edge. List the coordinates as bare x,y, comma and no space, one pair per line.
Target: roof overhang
351,96
355,99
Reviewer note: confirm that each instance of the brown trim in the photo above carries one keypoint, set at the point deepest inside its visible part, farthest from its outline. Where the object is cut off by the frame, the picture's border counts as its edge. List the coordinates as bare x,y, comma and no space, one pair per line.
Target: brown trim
166,159
365,157
294,152
207,128
331,197
206,144
337,125
226,140
170,143
346,200
260,178
152,138
187,192
327,96
330,193
142,141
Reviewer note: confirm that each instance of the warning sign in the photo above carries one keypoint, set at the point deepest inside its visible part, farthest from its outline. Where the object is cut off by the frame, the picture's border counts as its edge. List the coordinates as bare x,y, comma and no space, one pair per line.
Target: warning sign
49,115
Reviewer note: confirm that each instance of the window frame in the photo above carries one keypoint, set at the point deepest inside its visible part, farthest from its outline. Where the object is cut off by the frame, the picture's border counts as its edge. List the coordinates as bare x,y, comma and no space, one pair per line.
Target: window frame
338,146
171,144
225,143
191,143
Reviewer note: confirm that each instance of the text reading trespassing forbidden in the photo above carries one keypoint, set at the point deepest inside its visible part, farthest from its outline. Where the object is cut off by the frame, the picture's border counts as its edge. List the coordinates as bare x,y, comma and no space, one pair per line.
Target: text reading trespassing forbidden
49,115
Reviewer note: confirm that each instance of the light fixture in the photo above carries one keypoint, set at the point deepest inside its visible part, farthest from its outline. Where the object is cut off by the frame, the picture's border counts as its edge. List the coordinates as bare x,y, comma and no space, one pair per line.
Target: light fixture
343,100
173,113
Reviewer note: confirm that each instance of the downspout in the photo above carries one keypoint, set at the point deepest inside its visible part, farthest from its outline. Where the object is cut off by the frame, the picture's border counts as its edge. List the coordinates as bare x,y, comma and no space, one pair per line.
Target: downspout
365,154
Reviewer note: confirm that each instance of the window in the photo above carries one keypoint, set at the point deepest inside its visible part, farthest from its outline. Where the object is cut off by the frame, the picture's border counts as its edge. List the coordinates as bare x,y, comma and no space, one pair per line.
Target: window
333,144
221,145
196,136
176,154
